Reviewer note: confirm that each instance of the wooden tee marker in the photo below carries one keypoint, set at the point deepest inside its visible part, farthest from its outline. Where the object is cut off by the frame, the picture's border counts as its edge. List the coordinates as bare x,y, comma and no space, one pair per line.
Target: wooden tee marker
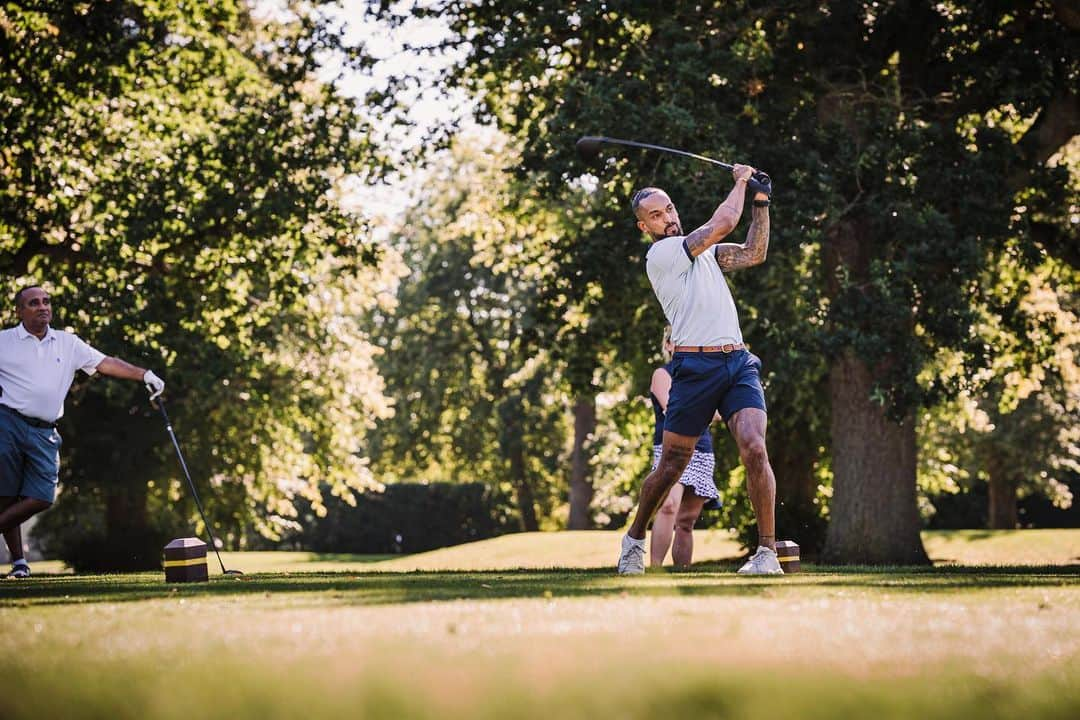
185,561
787,552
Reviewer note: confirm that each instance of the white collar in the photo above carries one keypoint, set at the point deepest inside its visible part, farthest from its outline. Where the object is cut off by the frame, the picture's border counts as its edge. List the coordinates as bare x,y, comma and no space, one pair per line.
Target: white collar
24,333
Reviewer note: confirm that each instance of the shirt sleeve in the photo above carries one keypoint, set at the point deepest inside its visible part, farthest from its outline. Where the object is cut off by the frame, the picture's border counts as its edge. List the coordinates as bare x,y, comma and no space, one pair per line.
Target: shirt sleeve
669,257
84,357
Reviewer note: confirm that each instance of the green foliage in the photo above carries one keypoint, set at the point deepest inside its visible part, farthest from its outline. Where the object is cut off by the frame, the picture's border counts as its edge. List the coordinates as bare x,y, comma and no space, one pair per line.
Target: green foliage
1019,428
468,357
409,518
908,143
174,173
75,530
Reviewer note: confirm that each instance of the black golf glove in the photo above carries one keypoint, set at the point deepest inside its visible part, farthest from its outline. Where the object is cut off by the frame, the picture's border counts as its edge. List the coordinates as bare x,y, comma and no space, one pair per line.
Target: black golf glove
759,182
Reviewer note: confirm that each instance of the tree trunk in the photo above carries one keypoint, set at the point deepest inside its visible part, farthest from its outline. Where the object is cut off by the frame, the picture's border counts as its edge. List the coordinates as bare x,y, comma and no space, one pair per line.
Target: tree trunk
874,516
1001,514
127,528
526,500
581,489
512,448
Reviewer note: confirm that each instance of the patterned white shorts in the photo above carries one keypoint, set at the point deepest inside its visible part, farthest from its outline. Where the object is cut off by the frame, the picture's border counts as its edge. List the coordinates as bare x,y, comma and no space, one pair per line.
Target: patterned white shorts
698,474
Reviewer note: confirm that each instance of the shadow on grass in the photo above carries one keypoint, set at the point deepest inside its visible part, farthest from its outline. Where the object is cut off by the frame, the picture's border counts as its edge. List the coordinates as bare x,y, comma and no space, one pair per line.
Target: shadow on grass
973,535
373,588
350,558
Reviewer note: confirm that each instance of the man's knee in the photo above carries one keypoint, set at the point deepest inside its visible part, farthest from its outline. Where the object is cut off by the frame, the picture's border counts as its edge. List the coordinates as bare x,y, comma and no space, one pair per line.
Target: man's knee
37,505
27,506
754,452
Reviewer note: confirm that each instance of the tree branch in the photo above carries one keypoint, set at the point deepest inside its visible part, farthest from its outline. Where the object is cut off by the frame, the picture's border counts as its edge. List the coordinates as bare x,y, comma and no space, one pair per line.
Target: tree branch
1057,123
1068,13
34,246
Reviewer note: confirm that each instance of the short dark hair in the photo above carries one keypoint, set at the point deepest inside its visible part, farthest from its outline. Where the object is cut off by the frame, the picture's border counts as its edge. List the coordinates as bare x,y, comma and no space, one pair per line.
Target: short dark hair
640,196
24,288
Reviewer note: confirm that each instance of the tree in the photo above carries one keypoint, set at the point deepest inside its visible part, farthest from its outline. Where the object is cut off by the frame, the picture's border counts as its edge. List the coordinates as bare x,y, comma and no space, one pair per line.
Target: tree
906,106
477,392
1016,431
880,122
173,171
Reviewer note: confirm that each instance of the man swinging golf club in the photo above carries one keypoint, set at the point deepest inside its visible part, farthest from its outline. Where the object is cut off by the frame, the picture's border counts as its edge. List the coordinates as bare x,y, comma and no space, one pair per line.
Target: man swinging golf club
712,371
37,367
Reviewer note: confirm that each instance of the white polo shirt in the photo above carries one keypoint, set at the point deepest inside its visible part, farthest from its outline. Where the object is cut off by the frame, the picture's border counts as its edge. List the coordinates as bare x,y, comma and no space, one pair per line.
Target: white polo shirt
37,374
693,293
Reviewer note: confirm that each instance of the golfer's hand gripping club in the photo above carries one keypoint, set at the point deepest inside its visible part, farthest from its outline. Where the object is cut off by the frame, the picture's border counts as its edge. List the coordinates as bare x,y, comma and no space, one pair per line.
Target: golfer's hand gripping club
759,182
154,385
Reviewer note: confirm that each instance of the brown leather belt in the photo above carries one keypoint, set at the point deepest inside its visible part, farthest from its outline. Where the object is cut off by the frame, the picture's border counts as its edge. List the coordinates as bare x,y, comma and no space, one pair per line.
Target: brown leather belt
710,348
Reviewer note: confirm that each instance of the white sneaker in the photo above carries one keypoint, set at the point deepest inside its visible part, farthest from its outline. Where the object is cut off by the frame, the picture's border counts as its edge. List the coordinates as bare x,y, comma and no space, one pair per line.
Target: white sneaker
632,557
762,562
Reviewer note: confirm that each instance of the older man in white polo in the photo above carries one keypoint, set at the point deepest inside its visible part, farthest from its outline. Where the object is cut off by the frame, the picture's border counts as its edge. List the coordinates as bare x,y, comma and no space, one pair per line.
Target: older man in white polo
37,367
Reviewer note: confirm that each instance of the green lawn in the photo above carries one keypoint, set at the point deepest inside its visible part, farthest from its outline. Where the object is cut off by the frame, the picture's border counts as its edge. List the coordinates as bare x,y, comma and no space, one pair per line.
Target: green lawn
491,630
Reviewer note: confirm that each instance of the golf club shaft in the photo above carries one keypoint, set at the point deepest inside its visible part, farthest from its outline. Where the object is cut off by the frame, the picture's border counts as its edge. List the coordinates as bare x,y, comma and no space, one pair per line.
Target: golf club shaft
194,492
661,148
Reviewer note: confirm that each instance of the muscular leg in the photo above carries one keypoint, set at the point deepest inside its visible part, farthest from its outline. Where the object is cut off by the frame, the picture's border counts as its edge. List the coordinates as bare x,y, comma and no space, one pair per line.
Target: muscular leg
19,512
664,525
12,537
676,453
748,428
682,552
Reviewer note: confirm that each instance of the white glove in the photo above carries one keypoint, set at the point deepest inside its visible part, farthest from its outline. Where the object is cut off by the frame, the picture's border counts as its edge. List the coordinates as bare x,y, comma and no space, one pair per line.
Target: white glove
154,385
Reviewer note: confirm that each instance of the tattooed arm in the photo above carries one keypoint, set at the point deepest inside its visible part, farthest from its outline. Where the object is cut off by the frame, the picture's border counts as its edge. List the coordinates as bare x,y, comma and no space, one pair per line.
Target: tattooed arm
732,256
724,218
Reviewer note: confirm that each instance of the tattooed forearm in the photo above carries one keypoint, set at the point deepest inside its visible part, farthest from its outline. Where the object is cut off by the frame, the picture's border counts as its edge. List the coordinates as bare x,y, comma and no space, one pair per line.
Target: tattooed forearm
732,256
721,224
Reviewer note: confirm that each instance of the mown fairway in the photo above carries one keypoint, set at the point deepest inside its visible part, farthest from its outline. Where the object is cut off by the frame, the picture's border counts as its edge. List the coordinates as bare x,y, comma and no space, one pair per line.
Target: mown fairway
378,639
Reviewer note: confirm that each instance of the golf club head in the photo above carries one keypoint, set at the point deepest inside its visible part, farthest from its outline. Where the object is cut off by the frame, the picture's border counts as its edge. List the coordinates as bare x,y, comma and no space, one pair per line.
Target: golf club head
588,147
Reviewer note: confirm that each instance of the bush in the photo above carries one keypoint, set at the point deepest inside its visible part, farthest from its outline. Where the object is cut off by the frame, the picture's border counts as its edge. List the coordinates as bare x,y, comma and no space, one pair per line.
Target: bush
74,531
408,518
968,509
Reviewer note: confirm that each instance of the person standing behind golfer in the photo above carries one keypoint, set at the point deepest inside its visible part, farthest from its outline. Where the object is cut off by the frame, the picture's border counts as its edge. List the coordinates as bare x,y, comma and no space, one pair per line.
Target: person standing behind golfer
712,372
37,367
696,487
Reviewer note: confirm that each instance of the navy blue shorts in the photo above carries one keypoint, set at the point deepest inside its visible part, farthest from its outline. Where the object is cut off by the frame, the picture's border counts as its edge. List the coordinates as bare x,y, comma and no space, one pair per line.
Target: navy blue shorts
705,383
29,459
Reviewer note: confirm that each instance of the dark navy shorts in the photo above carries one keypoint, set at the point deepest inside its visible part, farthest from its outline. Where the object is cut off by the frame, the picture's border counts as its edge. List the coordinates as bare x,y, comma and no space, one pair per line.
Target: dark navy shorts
29,459
705,383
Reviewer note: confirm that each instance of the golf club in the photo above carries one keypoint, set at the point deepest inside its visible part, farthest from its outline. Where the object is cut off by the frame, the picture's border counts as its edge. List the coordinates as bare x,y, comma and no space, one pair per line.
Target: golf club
194,493
589,147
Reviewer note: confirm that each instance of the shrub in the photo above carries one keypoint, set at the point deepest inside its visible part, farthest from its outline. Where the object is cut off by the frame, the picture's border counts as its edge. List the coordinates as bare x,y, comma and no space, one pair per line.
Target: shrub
408,518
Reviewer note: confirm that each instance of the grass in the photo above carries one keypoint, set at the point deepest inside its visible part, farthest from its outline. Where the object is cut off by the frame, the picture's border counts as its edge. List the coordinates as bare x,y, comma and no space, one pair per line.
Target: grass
537,626
586,550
